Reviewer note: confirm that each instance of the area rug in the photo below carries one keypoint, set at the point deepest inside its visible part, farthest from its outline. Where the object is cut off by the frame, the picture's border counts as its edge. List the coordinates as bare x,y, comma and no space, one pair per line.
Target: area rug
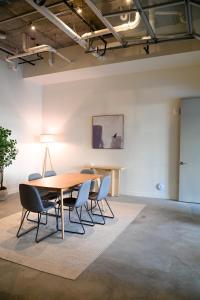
67,258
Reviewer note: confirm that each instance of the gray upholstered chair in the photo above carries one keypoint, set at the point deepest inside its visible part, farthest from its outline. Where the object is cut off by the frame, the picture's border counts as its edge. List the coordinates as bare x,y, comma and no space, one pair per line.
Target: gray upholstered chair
31,202
77,204
50,173
86,171
44,193
100,196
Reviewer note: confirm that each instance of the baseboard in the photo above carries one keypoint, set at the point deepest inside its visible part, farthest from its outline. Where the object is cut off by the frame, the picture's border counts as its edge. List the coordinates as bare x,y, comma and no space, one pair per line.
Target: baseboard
147,195
13,190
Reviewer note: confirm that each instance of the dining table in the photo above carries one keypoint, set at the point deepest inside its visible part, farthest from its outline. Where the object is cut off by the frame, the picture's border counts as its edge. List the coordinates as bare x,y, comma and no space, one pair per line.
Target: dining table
60,184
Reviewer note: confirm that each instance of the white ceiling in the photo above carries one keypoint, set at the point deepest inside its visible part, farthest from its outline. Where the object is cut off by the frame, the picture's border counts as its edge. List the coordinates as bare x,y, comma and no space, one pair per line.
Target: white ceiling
128,67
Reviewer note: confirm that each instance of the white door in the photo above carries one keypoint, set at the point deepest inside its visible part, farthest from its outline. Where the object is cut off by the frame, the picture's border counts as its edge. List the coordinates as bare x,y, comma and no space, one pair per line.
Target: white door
189,179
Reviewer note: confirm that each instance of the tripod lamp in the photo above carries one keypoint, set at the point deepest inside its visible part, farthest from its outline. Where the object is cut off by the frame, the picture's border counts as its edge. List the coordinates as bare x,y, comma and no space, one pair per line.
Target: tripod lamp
47,139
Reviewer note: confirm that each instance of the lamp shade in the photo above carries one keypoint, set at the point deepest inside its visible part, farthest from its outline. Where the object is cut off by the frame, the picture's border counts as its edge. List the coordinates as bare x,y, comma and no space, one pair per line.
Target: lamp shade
47,138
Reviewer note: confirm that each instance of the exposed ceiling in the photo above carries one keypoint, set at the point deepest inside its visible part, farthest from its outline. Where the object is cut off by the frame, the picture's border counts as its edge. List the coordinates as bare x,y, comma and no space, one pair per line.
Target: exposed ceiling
158,21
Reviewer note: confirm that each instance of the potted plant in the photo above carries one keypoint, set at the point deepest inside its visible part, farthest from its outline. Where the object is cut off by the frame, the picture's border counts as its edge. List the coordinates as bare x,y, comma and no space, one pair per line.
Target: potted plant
8,152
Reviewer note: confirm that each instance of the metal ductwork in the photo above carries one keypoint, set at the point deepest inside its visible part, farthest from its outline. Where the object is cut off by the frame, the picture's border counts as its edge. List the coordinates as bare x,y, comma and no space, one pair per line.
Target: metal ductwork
119,28
59,23
111,29
36,50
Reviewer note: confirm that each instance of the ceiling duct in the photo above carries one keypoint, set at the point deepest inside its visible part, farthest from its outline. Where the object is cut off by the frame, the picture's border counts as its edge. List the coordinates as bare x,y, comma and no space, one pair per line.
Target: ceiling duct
119,28
59,23
36,50
98,13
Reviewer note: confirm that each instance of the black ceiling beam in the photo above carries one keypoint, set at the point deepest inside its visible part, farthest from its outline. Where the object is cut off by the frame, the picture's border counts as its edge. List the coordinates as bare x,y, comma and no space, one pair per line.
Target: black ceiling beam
147,24
154,6
188,14
150,42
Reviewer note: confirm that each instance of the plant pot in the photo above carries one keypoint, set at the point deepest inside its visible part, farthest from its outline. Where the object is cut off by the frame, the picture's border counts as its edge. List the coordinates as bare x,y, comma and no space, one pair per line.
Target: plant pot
3,194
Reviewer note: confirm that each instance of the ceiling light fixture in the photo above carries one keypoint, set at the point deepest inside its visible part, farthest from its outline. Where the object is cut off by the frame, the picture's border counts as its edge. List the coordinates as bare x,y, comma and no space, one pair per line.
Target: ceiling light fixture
33,27
79,10
128,1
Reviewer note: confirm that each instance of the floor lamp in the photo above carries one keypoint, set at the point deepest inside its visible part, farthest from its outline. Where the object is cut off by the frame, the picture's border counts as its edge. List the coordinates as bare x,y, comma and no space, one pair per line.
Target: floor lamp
47,139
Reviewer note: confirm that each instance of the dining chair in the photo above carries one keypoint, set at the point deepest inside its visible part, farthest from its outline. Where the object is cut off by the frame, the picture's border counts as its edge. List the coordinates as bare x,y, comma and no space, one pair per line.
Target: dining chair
86,171
31,202
44,193
77,204
99,197
50,173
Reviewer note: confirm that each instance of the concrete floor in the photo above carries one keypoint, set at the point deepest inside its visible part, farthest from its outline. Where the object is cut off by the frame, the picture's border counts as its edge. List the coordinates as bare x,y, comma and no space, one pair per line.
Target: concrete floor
156,258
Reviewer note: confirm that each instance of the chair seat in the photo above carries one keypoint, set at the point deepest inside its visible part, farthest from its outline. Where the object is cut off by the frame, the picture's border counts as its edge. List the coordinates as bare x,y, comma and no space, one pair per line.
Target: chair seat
50,196
70,201
48,205
93,195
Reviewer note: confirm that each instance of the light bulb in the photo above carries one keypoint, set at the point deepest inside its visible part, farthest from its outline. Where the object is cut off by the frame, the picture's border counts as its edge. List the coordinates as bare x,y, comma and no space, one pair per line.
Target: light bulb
128,1
79,10
33,27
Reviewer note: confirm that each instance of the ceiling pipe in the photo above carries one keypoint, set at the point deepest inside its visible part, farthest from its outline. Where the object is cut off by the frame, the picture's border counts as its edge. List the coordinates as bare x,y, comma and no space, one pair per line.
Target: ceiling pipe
119,28
142,42
112,30
5,50
36,50
59,23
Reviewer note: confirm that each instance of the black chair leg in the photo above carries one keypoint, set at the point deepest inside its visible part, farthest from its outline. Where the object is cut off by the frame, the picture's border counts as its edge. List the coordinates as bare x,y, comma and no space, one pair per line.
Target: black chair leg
87,222
35,221
26,231
112,214
71,221
48,235
99,215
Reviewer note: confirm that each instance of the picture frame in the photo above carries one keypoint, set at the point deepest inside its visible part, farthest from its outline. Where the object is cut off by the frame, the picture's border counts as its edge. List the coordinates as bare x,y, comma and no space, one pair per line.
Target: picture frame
108,131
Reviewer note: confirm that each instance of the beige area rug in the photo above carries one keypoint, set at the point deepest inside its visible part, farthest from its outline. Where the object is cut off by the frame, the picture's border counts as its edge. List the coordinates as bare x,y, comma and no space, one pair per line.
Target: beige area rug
67,258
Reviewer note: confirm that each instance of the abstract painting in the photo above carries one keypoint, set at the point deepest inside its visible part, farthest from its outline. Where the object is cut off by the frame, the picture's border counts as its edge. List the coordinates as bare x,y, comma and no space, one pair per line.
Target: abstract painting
108,132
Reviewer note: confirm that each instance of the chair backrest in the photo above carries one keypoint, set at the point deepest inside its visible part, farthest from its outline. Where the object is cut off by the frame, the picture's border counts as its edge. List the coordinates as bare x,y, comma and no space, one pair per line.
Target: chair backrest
104,188
34,176
50,173
30,198
89,171
83,193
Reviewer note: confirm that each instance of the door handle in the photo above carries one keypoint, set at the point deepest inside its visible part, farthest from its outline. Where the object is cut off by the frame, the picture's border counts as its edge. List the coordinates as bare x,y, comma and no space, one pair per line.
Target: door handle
182,163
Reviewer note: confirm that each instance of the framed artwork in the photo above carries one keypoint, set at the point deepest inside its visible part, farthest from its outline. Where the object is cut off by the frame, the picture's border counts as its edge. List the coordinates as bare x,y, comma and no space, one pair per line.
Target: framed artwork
108,132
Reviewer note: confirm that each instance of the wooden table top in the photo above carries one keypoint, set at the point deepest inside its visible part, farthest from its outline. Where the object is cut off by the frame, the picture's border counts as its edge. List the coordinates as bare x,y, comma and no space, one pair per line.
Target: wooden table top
63,181
104,167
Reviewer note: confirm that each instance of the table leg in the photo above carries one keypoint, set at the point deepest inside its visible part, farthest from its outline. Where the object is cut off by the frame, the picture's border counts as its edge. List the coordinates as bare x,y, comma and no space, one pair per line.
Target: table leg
62,215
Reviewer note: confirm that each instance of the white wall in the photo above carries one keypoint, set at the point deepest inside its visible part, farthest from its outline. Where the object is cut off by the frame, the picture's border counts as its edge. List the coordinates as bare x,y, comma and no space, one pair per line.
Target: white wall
149,102
20,111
